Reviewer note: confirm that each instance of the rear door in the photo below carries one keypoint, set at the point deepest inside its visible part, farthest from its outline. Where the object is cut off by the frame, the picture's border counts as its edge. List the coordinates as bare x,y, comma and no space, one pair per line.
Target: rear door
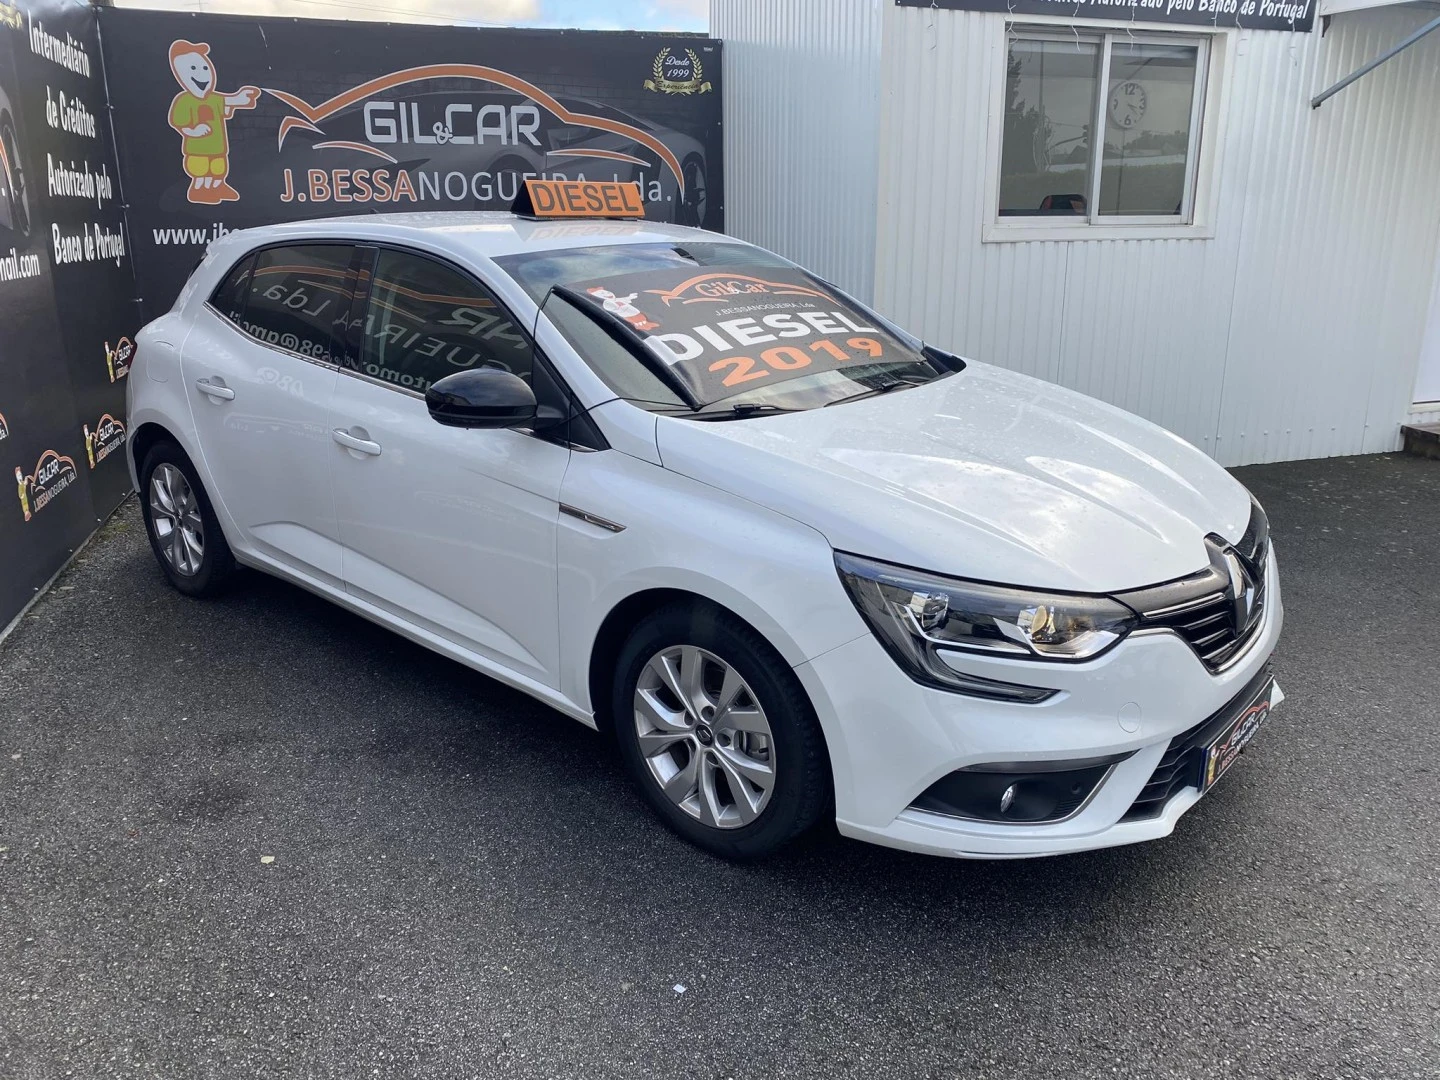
452,530
259,372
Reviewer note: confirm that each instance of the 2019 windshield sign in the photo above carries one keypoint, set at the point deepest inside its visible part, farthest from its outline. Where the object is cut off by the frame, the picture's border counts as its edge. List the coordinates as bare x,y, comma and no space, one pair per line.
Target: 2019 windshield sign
723,330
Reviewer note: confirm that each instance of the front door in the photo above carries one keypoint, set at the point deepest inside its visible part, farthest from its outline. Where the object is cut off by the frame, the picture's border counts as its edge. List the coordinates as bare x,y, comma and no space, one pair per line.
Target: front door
452,530
259,373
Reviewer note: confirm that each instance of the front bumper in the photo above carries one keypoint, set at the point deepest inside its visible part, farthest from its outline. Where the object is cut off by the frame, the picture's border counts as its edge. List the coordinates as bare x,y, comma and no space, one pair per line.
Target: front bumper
891,738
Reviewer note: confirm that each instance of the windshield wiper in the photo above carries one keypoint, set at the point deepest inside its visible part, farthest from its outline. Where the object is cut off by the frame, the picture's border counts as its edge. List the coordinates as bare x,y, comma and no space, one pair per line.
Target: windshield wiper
742,411
884,388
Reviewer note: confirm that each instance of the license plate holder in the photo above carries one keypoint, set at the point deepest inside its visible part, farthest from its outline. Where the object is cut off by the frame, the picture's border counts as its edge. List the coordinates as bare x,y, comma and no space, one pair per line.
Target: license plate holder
1225,748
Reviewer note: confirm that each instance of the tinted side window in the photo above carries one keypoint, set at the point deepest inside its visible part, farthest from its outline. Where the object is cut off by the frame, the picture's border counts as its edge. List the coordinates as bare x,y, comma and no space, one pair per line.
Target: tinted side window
427,320
229,296
296,296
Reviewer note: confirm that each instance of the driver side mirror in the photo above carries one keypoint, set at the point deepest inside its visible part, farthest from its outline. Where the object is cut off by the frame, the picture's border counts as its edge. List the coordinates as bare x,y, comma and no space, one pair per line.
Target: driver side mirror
481,398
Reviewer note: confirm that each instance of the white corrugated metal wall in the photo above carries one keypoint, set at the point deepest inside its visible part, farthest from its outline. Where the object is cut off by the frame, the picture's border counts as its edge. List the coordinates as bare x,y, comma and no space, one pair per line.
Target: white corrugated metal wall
1293,332
800,167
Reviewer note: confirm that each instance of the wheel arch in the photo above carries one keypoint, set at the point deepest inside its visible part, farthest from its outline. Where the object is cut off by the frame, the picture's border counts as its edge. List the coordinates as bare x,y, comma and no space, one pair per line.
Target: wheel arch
622,619
143,439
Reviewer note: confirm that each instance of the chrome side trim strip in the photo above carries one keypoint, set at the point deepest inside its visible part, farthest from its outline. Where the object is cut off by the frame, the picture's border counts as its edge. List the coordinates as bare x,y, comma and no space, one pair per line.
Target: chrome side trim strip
591,519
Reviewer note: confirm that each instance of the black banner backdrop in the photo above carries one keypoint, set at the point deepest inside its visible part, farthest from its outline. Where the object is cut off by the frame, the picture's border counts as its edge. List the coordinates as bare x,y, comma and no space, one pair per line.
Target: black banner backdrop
66,294
225,122
1296,15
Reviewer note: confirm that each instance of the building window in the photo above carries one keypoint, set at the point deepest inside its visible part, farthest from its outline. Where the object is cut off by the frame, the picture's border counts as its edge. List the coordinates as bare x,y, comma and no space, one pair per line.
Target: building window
1144,92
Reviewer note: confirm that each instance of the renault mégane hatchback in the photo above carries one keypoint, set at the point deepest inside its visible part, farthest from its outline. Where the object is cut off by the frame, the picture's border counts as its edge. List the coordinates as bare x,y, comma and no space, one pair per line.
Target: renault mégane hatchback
798,561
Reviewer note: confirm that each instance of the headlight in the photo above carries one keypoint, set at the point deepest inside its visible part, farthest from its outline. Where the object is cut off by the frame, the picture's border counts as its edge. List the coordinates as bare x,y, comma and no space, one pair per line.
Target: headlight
923,618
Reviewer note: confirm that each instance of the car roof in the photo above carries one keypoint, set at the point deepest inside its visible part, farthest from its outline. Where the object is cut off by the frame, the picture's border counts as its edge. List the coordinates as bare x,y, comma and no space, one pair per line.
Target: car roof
486,234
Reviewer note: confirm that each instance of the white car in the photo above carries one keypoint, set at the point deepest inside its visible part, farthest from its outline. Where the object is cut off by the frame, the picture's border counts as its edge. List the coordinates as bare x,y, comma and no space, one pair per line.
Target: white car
800,563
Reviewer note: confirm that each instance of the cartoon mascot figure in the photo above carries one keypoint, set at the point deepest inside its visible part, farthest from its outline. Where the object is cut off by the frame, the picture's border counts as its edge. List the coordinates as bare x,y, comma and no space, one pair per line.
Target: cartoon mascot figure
623,306
24,484
199,113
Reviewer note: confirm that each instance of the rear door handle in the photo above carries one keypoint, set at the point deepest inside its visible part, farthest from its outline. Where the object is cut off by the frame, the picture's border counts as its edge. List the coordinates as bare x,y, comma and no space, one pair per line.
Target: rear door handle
215,390
350,442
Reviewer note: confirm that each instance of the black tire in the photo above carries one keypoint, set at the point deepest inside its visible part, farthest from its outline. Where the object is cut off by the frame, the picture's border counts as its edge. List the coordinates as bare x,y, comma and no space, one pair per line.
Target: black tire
801,788
216,564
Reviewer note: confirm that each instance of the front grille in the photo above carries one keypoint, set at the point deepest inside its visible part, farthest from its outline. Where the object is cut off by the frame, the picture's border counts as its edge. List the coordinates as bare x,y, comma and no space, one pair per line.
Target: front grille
1202,608
1208,625
1183,763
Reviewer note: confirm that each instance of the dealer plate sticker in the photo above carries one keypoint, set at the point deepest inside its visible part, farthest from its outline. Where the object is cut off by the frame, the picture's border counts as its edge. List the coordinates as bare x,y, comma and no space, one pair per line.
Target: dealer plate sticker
1229,744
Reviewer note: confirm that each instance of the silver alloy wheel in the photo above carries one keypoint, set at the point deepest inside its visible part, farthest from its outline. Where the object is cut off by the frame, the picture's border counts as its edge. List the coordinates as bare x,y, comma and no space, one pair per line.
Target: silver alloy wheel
704,737
175,516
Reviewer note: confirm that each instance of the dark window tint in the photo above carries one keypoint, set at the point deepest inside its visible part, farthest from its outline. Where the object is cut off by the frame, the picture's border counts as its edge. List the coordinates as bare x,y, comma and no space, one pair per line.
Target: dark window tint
427,320
297,294
537,271
229,297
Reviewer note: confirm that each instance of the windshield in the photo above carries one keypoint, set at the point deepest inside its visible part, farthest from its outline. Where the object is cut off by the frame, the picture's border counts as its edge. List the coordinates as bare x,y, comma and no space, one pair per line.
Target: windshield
718,328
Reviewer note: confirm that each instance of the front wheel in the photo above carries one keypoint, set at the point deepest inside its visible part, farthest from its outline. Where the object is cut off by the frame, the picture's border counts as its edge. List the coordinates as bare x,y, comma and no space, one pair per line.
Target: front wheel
718,734
184,532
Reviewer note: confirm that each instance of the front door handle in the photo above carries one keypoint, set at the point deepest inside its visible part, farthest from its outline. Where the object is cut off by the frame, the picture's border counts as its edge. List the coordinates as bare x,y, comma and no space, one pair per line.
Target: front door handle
215,390
350,442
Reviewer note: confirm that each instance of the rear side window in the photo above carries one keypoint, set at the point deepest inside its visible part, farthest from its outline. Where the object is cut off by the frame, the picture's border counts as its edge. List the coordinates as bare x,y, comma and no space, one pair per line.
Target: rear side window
427,320
292,297
229,296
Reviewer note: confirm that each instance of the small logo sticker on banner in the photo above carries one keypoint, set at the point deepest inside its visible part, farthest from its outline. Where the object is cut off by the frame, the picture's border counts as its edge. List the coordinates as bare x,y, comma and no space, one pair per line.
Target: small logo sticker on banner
54,472
10,16
107,436
118,359
677,73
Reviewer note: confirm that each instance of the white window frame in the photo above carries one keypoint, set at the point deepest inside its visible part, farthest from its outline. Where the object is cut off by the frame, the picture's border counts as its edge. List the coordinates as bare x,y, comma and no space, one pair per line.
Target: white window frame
1196,221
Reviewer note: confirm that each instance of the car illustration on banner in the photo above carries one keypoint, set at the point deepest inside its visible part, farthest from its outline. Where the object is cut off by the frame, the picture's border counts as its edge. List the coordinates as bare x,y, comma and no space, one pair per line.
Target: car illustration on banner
398,140
14,191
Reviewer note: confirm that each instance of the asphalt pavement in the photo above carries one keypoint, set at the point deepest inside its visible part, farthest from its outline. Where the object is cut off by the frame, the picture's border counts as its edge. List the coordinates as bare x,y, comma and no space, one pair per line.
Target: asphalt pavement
258,837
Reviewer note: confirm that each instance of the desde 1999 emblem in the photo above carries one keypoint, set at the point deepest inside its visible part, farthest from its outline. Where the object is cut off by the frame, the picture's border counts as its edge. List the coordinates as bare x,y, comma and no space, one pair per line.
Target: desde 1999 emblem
118,359
107,436
54,472
677,73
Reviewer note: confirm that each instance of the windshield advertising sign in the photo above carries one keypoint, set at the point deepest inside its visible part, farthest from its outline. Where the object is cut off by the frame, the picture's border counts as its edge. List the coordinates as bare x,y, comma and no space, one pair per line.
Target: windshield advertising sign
723,331
239,121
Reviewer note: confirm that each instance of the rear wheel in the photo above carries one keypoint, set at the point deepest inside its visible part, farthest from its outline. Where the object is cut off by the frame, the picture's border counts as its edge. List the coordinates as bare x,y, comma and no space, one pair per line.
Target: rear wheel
718,734
184,532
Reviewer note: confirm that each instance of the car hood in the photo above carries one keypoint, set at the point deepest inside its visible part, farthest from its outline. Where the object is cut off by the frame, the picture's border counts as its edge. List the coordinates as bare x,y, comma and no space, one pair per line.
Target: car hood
985,474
